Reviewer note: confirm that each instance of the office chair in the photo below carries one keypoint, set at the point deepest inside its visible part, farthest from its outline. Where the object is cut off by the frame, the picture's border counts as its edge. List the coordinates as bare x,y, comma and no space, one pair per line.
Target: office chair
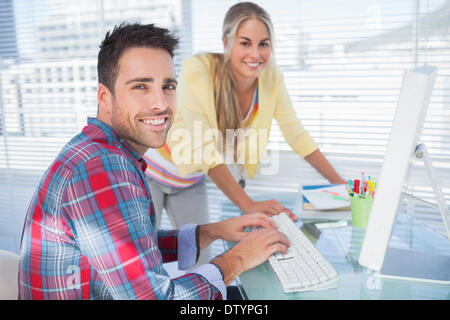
9,268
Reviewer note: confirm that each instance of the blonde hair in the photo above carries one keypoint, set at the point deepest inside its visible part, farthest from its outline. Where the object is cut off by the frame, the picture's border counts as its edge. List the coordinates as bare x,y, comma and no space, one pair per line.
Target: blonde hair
229,115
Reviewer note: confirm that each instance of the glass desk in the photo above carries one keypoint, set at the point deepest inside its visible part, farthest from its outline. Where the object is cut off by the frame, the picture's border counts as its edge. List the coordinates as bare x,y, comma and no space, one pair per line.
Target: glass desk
341,246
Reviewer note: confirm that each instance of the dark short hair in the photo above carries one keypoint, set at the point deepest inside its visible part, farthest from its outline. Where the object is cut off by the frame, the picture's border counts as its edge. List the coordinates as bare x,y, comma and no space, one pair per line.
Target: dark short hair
126,36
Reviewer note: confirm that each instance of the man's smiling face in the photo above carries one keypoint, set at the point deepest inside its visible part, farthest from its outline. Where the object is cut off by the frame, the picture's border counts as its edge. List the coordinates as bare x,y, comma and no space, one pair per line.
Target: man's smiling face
142,108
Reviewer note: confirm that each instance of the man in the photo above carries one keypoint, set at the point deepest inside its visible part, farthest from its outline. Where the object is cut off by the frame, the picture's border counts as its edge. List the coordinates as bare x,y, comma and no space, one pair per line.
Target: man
90,229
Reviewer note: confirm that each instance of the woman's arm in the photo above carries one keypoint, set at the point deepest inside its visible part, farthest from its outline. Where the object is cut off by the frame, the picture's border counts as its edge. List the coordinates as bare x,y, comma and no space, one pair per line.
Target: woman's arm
223,178
321,164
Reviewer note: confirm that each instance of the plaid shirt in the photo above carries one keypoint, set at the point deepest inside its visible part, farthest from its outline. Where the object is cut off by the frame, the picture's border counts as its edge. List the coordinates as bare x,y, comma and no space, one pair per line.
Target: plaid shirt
89,231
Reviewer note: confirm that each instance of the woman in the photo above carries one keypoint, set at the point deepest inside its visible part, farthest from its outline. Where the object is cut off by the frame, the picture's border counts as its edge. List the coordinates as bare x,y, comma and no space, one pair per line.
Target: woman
238,90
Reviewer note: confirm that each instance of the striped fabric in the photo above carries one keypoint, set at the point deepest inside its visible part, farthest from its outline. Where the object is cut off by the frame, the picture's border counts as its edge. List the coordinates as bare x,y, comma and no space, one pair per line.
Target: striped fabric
161,168
253,112
89,232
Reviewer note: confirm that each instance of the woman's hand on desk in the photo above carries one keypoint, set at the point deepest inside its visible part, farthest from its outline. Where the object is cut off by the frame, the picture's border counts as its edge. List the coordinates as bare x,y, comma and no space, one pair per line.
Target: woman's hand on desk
269,207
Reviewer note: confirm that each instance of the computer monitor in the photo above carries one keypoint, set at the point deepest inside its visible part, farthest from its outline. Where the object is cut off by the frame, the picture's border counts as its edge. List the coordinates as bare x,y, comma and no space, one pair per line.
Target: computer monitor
405,133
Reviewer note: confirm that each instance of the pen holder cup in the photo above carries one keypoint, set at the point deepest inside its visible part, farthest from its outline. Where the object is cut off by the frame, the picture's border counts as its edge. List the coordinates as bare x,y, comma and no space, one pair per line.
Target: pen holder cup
360,211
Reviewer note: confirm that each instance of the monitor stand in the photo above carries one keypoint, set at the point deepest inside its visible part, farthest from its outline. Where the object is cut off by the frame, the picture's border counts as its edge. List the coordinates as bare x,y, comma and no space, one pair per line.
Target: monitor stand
421,152
413,265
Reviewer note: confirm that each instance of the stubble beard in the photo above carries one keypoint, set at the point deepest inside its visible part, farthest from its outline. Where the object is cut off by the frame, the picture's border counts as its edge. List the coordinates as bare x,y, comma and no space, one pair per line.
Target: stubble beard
131,131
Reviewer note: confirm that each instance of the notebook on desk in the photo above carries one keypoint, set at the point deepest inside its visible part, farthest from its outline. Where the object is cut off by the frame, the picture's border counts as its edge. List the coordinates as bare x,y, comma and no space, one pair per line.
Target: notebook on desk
328,209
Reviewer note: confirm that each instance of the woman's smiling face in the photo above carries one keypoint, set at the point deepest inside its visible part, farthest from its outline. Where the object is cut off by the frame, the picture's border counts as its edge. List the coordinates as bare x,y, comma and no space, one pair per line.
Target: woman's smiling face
251,50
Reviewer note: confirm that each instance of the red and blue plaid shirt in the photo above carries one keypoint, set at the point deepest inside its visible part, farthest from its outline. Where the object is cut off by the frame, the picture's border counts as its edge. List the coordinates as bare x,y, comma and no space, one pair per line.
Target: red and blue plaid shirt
89,231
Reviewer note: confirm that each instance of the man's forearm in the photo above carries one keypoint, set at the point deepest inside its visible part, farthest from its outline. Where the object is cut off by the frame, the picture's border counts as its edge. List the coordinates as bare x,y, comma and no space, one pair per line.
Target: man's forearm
207,233
230,265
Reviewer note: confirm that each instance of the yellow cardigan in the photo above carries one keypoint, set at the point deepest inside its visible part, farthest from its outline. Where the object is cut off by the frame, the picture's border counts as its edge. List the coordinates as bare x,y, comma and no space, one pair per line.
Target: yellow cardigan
195,100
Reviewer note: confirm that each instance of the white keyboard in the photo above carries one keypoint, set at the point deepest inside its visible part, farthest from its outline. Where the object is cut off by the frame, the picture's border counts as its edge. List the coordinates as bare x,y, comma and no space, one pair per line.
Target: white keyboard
303,268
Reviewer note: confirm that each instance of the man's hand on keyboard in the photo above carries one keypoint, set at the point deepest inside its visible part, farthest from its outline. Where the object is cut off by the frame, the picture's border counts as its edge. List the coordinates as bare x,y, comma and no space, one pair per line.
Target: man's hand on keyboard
303,267
250,252
270,208
259,245
233,229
